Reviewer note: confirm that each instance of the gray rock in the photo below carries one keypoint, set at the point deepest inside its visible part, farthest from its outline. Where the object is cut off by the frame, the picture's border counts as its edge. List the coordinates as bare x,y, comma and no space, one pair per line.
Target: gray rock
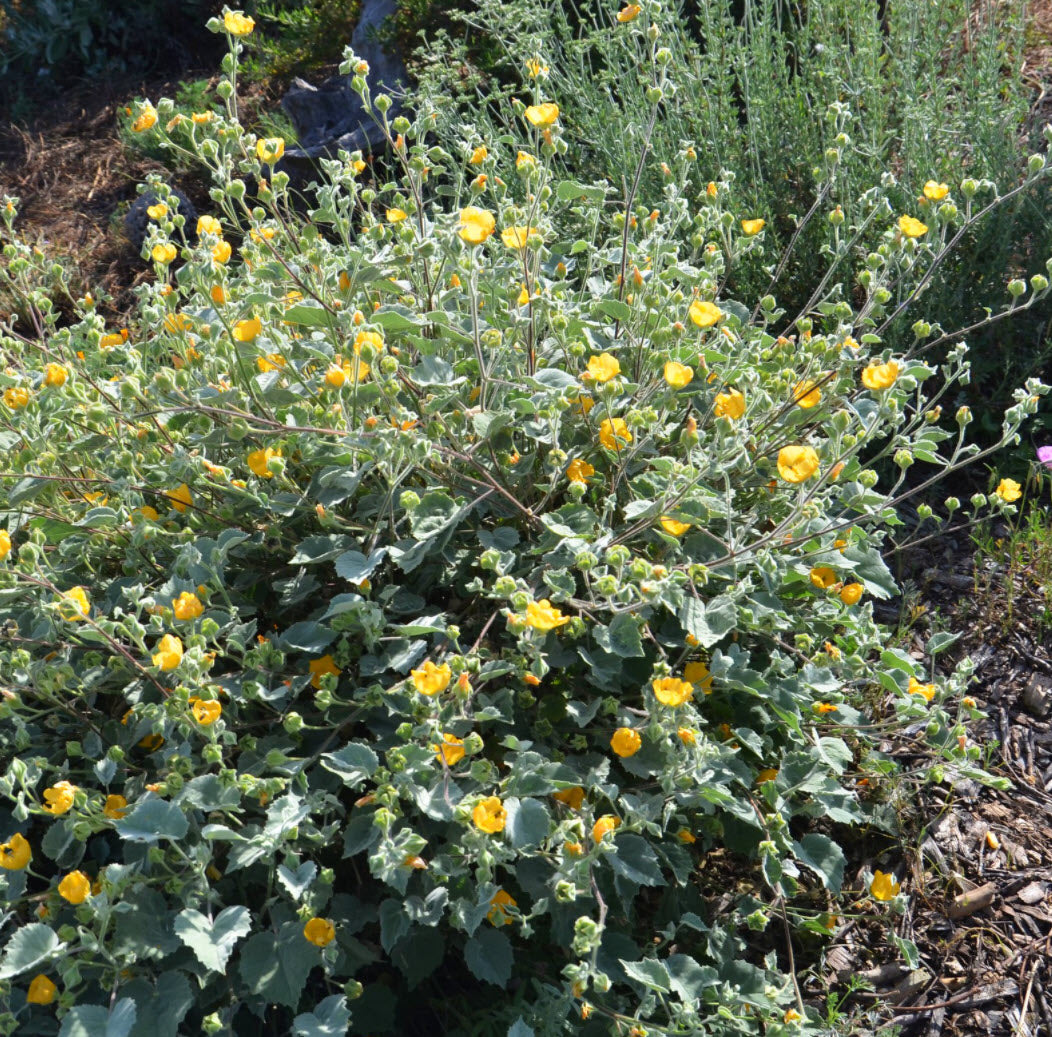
330,117
1037,695
137,220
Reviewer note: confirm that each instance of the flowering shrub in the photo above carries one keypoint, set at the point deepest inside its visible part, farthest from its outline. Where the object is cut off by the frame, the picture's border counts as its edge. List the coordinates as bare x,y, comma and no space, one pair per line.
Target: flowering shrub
422,592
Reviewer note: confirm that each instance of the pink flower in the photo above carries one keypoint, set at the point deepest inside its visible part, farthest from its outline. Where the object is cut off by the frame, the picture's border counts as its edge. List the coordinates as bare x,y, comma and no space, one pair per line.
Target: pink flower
1044,455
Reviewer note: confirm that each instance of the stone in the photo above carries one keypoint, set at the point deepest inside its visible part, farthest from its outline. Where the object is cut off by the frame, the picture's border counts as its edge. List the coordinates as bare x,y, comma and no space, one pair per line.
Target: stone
137,219
330,117
1037,695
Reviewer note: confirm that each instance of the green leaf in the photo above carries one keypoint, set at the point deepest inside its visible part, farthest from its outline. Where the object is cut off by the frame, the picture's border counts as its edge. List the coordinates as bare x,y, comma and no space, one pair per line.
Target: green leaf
435,512
394,923
207,792
488,954
708,622
433,370
330,1018
96,1021
308,636
297,882
621,637
353,763
634,860
650,972
823,857
308,315
153,820
572,191
319,549
213,941
30,945
395,320
553,378
940,642
689,979
354,566
615,308
528,822
276,967
160,1009
520,1029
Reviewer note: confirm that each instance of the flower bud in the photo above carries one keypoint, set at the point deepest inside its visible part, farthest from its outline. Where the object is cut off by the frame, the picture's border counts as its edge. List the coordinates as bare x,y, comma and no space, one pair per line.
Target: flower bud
969,187
236,189
565,892
924,511
978,500
1035,163
1016,287
1038,283
868,478
952,504
903,458
382,102
964,416
921,329
401,124
410,500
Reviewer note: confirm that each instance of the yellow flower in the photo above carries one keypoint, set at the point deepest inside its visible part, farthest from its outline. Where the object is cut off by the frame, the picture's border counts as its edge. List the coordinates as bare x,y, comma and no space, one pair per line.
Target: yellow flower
807,395
451,750
524,159
396,215
270,149
147,118
678,375
41,991
686,736
602,368
542,615
158,211
671,691
884,886
320,667
729,405
698,673
59,798
430,679
912,228
74,604
221,252
614,434
209,225
851,593
15,853
259,461
542,114
577,470
55,375
174,322
206,713
1009,490
478,156
626,742
797,463
489,815
270,362
187,606
476,225
163,254
75,887
115,807
672,526
824,707
238,24
751,227
685,835
169,652
767,775
199,118
180,497
573,797
5,544
925,690
497,915
16,397
823,577
880,376
247,330
319,931
607,823
935,192
629,13
536,69
704,313
573,849
515,237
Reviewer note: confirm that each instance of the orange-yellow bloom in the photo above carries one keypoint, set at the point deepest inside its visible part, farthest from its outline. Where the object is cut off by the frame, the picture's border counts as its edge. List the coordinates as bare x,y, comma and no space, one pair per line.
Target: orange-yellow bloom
678,375
430,679
499,902
451,750
704,313
884,886
115,807
238,24
476,224
730,405
542,114
751,227
629,13
169,652
41,991
75,887
797,463
489,815
15,854
671,691
187,606
807,395
614,434
626,742
320,667
206,713
880,376
935,192
851,593
602,368
319,931
578,470
911,227
542,615
607,823
59,798
698,673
